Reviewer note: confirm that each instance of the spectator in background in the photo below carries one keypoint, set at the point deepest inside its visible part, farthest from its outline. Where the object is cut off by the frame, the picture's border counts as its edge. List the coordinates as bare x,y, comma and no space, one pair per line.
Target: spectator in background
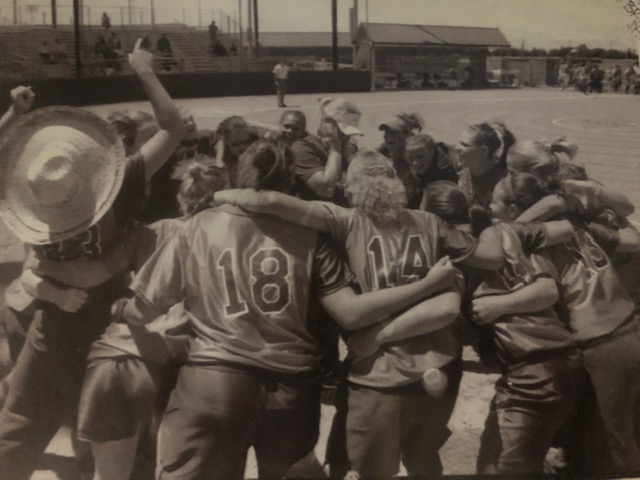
631,76
616,78
280,74
213,35
596,78
100,52
164,45
219,50
106,21
45,52
564,74
146,43
59,51
115,44
233,50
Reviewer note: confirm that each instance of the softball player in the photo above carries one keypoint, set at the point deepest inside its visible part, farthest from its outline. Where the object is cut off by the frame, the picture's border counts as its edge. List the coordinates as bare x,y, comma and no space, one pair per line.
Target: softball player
251,378
601,318
542,376
390,416
73,194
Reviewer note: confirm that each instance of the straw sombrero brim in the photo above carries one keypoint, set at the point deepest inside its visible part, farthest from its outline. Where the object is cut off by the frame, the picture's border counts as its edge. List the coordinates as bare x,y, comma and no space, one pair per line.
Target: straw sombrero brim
34,223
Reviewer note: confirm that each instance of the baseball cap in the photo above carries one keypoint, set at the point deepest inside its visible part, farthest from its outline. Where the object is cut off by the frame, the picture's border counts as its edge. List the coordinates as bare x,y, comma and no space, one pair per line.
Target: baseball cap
345,114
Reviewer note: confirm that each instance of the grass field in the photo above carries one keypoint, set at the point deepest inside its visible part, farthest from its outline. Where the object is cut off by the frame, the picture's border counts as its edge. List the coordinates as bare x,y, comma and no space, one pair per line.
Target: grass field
606,128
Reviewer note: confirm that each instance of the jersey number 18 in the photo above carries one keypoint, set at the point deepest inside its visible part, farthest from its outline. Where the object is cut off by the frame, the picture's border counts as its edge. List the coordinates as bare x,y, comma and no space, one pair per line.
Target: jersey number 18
270,289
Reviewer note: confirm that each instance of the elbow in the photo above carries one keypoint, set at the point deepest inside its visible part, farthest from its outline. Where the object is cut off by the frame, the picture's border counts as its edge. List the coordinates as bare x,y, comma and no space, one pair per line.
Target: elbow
450,315
350,320
450,309
549,294
626,209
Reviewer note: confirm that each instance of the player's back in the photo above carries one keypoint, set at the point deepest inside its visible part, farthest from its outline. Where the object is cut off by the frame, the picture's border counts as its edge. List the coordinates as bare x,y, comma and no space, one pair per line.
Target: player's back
386,254
247,281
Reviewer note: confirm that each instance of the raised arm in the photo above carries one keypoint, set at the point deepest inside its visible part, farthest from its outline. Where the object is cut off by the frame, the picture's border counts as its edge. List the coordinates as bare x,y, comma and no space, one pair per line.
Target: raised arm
352,311
541,294
158,148
281,205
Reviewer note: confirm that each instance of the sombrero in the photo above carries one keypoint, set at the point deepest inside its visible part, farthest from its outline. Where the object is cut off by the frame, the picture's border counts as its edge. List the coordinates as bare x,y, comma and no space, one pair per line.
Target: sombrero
61,169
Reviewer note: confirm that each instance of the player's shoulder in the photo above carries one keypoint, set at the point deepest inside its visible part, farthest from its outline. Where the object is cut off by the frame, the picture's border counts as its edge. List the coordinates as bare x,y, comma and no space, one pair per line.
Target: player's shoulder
419,217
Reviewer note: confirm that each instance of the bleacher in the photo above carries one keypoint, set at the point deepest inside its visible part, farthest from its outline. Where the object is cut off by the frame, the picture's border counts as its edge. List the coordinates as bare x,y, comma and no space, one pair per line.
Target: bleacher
21,51
190,52
190,49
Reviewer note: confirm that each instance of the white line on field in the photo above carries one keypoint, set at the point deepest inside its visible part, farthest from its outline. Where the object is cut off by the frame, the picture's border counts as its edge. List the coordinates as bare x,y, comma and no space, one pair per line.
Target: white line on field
558,123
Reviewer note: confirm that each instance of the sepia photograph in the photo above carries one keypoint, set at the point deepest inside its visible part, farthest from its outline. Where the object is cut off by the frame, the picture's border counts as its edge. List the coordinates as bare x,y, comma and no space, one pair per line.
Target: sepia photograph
307,239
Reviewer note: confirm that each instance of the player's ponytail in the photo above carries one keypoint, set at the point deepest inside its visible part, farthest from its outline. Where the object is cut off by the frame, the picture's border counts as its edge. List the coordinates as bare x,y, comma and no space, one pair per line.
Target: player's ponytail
266,165
448,201
200,179
542,160
411,122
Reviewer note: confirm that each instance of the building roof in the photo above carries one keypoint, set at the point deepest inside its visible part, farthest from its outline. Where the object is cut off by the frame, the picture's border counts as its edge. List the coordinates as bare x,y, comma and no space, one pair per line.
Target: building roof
431,35
303,39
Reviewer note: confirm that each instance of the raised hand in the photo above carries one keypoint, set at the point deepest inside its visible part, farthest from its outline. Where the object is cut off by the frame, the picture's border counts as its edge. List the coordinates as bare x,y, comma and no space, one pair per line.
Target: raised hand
22,98
141,60
329,135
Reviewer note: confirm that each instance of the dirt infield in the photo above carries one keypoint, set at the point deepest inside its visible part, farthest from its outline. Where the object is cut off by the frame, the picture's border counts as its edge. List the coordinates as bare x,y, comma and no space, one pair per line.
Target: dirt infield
605,127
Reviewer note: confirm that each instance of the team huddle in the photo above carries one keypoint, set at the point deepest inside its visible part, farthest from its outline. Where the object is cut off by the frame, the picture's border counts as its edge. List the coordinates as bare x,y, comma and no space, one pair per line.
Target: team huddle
185,292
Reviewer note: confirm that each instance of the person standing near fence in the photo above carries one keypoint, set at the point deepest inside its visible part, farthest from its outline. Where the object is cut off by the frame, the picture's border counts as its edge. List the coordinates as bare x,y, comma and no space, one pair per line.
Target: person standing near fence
280,74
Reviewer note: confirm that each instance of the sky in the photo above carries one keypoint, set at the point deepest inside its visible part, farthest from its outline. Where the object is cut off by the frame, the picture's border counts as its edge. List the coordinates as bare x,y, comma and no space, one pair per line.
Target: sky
537,23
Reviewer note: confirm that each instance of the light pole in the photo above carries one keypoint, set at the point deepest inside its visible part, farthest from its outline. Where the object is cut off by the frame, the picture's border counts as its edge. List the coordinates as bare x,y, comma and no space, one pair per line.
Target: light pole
334,33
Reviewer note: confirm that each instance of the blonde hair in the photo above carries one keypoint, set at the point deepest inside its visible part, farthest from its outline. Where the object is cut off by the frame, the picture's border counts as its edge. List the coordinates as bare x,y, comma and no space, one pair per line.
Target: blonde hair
200,178
541,159
373,188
